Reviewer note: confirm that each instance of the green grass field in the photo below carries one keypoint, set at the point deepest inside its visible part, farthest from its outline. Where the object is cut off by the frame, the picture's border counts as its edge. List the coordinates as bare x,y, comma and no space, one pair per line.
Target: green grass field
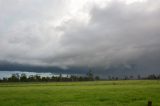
96,93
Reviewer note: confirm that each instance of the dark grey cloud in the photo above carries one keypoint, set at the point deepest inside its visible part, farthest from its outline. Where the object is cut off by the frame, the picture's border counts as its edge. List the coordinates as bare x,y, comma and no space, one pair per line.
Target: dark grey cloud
50,33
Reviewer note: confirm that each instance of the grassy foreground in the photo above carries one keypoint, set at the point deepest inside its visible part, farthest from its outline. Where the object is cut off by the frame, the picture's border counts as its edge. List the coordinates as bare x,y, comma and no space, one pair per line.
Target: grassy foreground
96,93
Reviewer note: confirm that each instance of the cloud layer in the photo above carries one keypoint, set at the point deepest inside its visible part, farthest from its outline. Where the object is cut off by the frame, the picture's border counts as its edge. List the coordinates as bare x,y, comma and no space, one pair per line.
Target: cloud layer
94,33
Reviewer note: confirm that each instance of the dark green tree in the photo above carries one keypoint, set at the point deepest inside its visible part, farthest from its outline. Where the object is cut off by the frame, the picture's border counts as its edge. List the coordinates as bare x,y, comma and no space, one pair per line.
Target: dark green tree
23,78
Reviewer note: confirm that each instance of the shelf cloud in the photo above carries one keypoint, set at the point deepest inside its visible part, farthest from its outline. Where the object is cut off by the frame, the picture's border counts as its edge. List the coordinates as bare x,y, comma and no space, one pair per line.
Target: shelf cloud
71,33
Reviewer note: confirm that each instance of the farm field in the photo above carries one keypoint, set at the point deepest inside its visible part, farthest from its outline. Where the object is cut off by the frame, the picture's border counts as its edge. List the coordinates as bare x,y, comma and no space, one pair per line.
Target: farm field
96,93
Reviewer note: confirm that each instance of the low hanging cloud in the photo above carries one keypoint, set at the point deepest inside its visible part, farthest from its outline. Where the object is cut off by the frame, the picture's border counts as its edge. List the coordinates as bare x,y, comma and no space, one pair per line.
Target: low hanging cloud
80,33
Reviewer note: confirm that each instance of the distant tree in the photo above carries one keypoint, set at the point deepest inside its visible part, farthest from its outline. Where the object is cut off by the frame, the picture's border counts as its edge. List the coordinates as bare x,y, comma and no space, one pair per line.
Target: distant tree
97,78
4,79
113,78
14,78
81,78
152,77
38,78
90,75
60,77
23,78
48,79
53,78
116,78
43,79
31,78
73,78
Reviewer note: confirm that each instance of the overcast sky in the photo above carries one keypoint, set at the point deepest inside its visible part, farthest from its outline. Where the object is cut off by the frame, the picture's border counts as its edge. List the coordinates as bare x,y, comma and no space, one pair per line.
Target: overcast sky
80,33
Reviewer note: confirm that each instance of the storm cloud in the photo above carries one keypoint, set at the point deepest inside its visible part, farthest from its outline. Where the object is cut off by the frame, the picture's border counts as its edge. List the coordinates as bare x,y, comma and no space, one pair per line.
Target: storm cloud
92,33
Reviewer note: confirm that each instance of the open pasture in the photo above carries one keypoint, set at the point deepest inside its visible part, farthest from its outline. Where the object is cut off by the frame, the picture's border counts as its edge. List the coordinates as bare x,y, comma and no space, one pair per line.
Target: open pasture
95,93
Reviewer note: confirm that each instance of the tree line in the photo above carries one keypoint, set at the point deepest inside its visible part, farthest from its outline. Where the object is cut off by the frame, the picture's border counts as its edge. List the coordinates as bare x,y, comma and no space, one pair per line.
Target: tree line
89,77
149,77
36,78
